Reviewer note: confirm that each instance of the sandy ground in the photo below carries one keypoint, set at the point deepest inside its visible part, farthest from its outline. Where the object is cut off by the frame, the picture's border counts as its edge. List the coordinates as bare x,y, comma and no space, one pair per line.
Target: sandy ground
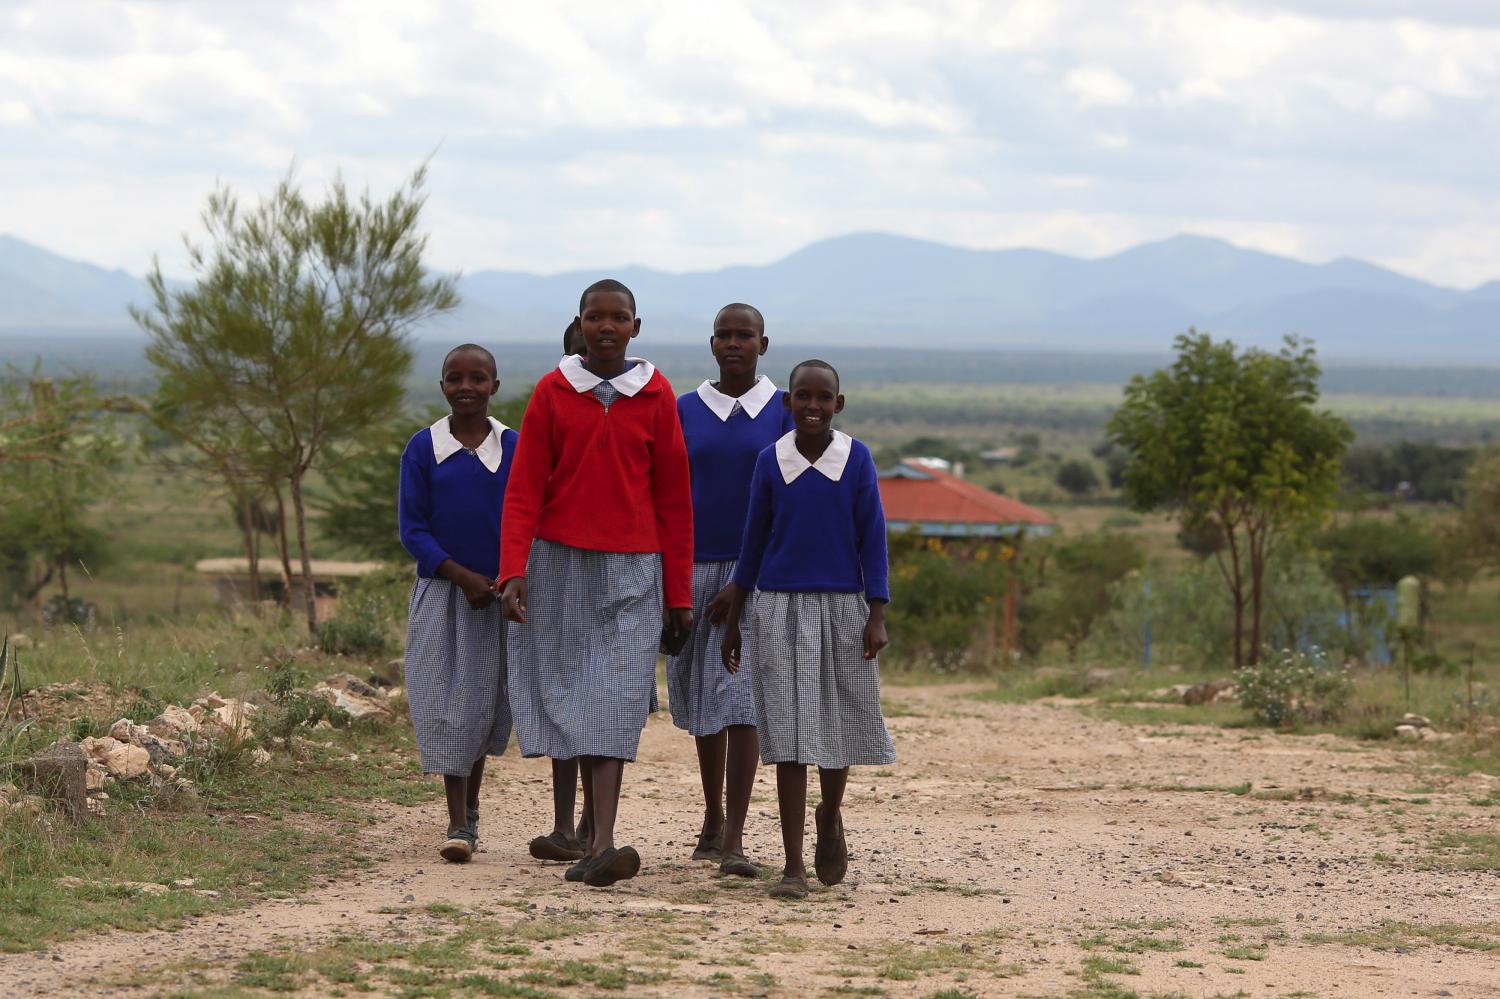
1011,845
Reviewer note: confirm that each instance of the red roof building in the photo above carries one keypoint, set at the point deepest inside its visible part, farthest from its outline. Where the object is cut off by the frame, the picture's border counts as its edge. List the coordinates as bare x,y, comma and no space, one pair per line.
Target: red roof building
921,496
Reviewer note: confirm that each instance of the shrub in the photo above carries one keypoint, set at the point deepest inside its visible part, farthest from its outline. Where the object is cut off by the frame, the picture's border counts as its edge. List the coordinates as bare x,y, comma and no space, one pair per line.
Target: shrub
1292,686
292,707
370,615
940,600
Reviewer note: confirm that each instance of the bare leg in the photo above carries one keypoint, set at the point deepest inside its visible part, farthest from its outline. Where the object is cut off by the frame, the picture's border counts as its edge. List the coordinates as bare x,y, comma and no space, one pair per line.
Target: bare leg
586,817
457,790
605,774
741,759
832,784
564,796
791,800
476,777
711,752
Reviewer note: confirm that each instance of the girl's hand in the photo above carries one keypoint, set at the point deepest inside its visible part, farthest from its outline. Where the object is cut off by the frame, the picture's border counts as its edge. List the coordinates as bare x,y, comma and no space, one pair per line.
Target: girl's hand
513,599
717,611
477,590
875,636
730,648
681,619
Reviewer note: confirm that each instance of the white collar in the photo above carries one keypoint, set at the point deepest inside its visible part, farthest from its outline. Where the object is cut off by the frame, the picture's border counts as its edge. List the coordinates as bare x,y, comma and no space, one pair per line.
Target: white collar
445,445
752,402
831,463
584,380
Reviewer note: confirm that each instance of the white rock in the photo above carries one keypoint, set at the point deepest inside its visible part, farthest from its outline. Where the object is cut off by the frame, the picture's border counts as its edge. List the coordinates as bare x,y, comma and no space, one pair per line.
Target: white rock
99,749
94,806
356,705
1406,732
94,776
1428,734
259,757
184,882
174,722
127,760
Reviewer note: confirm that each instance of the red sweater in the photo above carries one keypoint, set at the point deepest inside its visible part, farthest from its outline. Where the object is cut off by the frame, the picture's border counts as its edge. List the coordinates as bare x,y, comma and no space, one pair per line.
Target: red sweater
613,481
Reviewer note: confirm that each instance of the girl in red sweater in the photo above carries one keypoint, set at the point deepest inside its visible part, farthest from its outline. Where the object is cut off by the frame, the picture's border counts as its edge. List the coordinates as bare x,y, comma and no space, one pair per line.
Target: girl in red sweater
597,538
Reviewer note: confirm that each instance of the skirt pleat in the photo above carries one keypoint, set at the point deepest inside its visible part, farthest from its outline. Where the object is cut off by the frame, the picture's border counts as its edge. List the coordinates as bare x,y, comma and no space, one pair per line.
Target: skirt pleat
817,698
455,678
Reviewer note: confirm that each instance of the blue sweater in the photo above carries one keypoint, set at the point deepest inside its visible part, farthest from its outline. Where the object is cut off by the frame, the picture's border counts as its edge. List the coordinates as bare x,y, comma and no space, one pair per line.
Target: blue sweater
452,509
721,454
814,535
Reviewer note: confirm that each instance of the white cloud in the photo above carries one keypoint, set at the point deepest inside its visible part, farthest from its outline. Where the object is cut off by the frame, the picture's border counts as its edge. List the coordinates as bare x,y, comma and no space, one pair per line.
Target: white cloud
686,135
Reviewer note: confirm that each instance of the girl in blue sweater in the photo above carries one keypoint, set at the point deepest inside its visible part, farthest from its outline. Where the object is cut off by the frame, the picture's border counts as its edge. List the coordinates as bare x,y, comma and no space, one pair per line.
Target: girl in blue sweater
453,477
726,424
814,554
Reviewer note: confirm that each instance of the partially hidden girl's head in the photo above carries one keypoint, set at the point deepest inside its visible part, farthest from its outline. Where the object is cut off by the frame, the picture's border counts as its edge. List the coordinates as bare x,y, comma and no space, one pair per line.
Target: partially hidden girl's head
813,397
607,320
573,340
469,379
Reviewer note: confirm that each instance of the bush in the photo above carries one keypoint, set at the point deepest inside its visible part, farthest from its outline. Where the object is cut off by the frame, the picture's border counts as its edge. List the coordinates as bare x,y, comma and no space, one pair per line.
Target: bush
1077,477
1077,586
370,616
941,600
1290,687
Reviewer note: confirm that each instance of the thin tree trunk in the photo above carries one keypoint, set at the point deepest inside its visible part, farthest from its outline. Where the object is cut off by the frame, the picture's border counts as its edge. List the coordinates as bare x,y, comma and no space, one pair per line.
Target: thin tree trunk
308,597
1257,590
247,530
286,558
1237,591
62,581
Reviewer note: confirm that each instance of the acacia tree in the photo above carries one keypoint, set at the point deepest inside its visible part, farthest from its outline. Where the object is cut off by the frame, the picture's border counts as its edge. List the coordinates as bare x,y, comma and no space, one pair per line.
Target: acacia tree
58,451
296,326
1234,445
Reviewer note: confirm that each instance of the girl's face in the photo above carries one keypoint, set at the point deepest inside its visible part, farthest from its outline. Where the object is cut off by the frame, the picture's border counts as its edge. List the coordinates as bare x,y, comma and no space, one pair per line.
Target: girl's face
468,382
737,343
608,325
814,400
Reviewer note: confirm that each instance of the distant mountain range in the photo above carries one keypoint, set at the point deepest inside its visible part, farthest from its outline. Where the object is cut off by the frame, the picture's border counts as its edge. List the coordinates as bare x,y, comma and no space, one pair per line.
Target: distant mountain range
892,291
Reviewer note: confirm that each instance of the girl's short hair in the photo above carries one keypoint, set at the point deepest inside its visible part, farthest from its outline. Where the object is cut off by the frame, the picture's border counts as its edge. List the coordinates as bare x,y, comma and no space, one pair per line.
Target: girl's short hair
494,368
606,285
814,363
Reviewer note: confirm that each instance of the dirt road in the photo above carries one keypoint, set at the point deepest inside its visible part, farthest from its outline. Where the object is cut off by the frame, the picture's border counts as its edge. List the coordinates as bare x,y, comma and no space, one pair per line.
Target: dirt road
1014,850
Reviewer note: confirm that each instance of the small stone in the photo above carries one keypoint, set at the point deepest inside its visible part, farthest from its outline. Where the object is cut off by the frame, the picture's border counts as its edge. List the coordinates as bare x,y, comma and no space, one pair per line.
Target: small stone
259,757
174,722
1420,721
184,883
1406,732
94,776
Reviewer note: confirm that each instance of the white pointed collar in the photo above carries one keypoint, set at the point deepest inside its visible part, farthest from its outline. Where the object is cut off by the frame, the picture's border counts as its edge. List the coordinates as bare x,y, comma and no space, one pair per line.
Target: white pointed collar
752,402
445,445
584,380
831,463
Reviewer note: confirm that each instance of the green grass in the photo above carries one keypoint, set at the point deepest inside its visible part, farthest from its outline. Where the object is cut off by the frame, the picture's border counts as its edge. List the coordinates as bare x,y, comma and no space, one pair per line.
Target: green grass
1391,934
1464,851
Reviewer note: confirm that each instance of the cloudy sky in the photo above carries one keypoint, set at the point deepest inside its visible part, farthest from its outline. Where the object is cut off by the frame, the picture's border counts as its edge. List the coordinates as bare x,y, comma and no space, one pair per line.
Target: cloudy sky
698,134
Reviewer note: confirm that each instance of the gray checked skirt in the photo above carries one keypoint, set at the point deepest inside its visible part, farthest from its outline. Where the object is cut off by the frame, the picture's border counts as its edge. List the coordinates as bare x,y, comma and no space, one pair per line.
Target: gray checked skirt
583,666
817,698
455,678
705,697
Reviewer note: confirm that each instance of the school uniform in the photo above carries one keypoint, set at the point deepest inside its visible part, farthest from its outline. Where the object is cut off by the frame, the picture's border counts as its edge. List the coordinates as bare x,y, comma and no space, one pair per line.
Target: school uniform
598,517
725,435
814,551
449,508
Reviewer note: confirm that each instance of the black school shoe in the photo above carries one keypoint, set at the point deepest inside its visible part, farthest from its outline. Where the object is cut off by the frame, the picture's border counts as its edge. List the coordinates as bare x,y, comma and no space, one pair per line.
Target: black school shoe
578,871
613,865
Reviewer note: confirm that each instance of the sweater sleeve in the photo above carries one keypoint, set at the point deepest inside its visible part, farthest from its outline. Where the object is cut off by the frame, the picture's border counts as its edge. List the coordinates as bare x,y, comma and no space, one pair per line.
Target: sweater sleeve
672,499
529,470
869,532
757,525
414,513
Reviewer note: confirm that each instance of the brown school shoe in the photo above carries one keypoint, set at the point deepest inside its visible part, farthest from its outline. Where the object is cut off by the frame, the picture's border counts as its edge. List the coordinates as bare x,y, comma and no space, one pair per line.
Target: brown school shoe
710,846
737,865
789,887
613,865
831,855
555,846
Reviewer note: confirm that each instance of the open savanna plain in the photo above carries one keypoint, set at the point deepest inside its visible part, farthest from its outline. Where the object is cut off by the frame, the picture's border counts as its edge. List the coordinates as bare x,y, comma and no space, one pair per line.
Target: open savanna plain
1036,849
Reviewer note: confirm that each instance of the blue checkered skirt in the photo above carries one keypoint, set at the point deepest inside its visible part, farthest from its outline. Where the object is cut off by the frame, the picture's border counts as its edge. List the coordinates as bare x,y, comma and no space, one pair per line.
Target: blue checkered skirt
583,666
817,699
455,678
705,697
